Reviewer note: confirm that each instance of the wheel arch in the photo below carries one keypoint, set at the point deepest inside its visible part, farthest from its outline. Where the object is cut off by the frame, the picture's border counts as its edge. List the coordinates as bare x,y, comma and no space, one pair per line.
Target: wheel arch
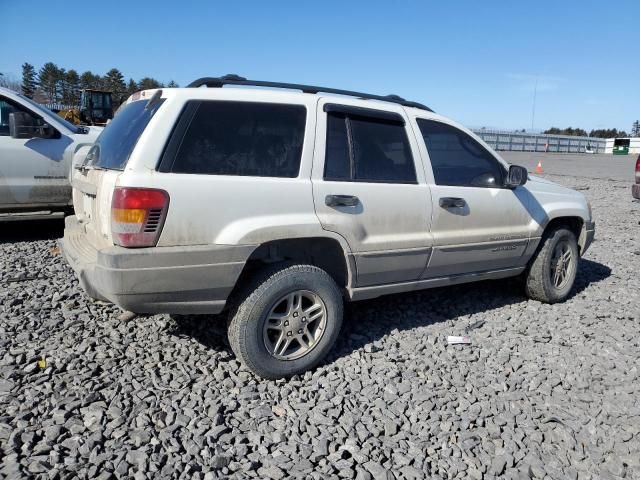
324,252
573,222
576,224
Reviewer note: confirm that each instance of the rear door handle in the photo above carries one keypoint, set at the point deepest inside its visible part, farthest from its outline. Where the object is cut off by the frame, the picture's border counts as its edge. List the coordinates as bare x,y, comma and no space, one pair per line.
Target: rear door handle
341,201
452,202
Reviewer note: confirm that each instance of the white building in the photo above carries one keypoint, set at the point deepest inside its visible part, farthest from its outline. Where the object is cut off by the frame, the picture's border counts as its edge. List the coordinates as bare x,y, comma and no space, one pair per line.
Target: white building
632,144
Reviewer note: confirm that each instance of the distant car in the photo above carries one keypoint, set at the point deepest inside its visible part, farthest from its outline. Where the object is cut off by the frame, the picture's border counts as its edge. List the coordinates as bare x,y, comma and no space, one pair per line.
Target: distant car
37,148
635,188
279,205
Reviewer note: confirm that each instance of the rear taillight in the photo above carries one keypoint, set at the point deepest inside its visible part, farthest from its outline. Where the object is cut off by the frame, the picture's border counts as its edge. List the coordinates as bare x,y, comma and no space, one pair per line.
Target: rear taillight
137,216
638,170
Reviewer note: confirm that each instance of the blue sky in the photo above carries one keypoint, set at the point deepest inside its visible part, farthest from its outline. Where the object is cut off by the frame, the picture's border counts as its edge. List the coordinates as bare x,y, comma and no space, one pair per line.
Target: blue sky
476,62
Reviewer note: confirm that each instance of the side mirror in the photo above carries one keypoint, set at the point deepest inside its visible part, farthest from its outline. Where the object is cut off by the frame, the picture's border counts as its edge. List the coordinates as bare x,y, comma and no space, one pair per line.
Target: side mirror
517,176
23,125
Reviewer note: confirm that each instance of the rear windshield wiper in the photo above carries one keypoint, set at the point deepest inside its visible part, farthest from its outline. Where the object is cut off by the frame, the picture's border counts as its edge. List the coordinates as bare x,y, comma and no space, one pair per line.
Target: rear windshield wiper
84,167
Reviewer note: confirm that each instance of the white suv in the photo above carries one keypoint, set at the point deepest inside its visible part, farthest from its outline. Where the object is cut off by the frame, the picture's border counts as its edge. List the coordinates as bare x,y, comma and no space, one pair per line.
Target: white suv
277,205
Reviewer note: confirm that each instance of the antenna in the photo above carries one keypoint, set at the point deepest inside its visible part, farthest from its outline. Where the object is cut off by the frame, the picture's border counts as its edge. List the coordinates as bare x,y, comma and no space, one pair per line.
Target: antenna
533,110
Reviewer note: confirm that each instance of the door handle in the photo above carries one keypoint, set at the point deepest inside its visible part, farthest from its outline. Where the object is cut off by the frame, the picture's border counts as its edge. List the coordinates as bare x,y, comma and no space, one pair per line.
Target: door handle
452,202
341,201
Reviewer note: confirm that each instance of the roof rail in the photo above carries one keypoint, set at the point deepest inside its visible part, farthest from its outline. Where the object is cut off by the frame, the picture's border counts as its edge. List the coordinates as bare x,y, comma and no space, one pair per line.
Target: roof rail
232,79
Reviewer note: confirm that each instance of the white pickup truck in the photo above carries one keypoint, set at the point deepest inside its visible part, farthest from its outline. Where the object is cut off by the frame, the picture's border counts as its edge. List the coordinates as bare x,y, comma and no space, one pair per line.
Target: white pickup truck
37,151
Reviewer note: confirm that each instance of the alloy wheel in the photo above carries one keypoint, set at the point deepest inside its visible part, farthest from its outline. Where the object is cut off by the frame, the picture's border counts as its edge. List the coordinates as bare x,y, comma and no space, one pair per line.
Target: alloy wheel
294,325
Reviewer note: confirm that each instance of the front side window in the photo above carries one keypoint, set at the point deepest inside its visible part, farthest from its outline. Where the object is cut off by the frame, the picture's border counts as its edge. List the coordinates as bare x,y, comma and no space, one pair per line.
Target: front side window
36,107
242,139
457,159
367,150
8,107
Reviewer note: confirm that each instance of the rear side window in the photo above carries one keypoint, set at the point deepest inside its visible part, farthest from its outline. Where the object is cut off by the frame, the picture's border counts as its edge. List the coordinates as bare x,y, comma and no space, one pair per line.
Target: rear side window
367,150
116,142
240,138
456,158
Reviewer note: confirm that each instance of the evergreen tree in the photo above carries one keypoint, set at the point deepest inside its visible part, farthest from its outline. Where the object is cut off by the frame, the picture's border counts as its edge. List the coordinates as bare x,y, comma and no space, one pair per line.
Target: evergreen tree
172,84
574,132
635,129
148,83
29,83
132,87
608,133
61,85
90,80
72,88
114,82
49,78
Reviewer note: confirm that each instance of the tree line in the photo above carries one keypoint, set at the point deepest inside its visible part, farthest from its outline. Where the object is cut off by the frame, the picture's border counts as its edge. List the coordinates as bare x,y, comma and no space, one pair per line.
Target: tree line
597,133
54,84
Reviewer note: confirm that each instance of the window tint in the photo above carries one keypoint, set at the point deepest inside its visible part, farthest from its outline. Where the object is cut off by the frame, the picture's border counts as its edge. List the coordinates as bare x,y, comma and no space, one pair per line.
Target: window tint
379,152
116,142
6,108
457,159
243,138
338,159
38,110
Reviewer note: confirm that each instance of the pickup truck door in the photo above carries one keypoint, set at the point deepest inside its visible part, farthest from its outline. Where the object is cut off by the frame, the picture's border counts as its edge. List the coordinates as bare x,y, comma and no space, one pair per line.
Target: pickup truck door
369,187
478,225
32,171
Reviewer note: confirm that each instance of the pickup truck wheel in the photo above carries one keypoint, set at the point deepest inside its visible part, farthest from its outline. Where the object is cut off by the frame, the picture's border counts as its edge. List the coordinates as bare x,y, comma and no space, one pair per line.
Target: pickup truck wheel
286,321
553,270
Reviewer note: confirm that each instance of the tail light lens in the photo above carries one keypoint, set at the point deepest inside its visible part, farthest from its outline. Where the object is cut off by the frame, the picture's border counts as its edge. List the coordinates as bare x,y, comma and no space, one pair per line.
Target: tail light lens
638,170
137,216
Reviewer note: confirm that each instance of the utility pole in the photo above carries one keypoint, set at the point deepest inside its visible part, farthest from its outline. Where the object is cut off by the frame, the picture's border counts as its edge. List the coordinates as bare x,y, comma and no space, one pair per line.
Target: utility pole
533,110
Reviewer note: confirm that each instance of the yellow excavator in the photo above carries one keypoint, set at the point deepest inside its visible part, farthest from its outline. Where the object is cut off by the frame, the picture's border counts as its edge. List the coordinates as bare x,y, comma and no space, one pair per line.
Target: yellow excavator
96,108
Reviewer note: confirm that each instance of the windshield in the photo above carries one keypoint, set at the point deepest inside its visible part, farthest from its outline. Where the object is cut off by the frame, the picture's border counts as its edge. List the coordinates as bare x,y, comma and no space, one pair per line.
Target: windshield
45,110
116,142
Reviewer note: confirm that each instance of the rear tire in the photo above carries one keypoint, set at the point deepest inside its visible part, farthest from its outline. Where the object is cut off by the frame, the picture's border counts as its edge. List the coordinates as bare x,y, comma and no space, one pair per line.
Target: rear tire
552,272
286,320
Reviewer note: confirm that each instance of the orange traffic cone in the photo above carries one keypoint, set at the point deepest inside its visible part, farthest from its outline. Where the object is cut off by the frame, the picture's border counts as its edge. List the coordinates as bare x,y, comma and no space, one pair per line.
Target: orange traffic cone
539,167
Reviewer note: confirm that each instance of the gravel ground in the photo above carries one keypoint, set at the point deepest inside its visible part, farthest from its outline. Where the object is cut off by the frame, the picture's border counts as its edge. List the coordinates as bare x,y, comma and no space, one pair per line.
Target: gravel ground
543,391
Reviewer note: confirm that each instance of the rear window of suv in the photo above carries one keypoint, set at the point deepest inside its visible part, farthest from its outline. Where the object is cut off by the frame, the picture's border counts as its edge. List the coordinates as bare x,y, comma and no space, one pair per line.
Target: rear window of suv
238,138
116,142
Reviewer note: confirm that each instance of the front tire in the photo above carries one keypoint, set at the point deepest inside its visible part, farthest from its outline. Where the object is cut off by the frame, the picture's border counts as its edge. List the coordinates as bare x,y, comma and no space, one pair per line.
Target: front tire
552,273
286,321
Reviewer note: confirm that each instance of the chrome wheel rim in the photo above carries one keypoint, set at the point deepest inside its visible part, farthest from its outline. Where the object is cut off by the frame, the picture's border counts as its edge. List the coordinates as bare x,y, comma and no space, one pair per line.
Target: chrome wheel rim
294,325
561,265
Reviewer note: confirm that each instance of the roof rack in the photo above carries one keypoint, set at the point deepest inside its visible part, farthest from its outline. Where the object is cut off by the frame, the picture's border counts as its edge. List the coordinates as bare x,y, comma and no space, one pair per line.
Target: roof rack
232,79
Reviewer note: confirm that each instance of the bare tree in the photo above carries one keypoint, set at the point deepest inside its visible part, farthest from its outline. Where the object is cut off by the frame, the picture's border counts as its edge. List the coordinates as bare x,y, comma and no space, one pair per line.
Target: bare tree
7,80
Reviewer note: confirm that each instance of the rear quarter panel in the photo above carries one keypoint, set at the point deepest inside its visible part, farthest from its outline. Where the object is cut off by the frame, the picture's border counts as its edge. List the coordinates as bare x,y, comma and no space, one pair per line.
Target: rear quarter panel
223,209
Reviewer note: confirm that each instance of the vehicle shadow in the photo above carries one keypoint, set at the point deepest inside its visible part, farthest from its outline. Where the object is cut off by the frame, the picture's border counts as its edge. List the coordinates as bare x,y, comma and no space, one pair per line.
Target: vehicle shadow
208,330
589,272
370,321
31,230
366,322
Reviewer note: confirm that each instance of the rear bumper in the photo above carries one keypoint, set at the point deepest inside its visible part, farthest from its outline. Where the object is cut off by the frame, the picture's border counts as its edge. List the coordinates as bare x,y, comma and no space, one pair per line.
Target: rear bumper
194,279
586,236
635,190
